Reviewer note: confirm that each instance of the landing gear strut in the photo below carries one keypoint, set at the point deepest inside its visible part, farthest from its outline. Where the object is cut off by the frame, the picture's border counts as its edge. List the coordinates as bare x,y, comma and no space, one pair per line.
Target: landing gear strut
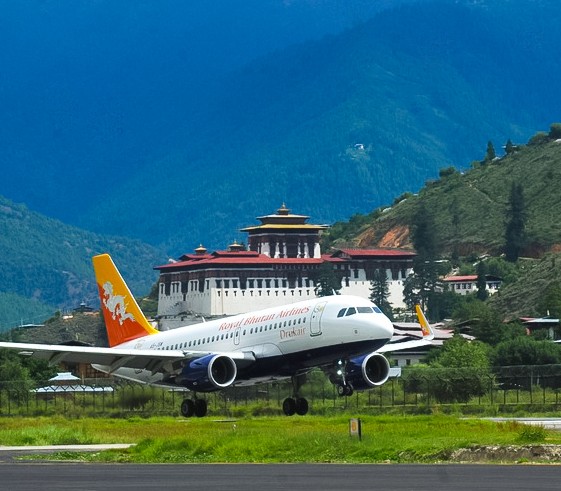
197,407
296,404
337,378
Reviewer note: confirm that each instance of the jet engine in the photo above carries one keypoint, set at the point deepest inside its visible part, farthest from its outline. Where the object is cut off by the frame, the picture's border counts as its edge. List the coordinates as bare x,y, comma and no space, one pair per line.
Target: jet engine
208,373
367,371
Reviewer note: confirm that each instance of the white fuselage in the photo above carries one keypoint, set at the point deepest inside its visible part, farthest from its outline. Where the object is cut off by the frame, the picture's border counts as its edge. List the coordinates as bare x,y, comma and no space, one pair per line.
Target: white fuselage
305,334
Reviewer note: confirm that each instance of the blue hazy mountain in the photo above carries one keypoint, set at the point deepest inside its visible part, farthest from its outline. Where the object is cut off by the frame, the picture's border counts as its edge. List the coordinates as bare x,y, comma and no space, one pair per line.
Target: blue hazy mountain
45,265
176,122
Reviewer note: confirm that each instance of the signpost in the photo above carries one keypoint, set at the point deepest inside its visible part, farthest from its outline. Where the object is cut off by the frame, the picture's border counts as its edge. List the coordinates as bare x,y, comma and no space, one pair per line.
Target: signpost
355,427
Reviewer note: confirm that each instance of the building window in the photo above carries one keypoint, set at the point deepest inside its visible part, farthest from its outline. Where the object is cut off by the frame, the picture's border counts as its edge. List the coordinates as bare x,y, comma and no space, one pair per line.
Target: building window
218,283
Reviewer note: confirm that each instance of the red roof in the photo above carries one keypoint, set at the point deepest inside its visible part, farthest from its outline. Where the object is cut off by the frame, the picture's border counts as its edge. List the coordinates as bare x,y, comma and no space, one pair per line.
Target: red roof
253,258
376,253
233,258
470,277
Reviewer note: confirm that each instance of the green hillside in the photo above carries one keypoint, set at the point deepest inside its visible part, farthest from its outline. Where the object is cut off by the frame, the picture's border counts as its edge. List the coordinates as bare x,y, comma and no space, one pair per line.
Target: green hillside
469,211
46,265
469,208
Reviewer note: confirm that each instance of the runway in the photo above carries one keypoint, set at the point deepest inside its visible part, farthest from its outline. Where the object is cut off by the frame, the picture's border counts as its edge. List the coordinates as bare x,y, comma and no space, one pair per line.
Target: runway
278,477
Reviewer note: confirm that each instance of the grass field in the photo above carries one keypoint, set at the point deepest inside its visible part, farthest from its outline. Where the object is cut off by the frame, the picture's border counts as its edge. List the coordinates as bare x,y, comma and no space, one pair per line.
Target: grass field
307,439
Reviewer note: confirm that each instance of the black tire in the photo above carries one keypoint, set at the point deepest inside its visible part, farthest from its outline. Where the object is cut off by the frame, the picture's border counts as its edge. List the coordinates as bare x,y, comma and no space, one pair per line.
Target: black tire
289,406
348,390
341,390
187,408
200,408
301,406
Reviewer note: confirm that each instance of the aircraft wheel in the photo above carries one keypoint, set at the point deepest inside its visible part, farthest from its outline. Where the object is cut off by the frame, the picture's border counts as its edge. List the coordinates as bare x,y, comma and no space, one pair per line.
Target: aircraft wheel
289,406
200,408
301,406
187,408
344,390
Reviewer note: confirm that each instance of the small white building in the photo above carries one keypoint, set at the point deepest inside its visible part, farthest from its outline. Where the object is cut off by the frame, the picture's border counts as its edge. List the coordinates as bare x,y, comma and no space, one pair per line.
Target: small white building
468,284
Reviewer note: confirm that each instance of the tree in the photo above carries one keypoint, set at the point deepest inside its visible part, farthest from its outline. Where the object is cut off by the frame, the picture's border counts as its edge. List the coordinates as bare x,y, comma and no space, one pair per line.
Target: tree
458,372
326,281
509,147
490,154
515,233
379,291
424,281
551,301
482,292
555,131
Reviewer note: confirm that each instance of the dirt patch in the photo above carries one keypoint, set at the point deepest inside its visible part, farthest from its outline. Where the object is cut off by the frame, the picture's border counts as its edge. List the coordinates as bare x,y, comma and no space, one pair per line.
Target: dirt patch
508,453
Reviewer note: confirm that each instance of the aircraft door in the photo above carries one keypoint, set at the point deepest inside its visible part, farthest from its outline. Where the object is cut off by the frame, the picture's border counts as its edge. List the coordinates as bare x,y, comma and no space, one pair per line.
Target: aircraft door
237,336
315,324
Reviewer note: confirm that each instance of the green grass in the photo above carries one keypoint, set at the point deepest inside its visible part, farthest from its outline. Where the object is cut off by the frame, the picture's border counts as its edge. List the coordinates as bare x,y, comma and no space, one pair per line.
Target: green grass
393,439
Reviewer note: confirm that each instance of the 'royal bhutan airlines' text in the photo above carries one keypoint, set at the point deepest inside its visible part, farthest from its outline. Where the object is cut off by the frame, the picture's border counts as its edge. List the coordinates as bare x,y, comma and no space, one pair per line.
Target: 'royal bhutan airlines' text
258,319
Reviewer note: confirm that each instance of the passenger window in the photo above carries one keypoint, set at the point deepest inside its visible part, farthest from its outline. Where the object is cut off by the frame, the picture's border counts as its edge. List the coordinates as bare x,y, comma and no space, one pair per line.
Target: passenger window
351,311
341,313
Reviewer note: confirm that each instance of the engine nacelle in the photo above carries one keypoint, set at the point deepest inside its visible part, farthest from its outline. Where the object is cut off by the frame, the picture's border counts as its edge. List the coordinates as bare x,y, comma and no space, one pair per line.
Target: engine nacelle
367,371
208,373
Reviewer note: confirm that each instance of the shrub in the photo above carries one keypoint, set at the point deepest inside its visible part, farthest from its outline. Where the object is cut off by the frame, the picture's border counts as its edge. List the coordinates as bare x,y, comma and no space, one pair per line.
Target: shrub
539,138
555,131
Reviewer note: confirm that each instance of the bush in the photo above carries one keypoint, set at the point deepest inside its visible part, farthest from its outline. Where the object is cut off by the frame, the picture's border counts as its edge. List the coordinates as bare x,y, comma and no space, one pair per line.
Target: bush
539,138
555,131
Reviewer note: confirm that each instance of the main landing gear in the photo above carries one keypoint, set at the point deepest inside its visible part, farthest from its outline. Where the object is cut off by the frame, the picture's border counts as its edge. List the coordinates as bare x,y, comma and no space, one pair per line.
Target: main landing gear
296,404
190,407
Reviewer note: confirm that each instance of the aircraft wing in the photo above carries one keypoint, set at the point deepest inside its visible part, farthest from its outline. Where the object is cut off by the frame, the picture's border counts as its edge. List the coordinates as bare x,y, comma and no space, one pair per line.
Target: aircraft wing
116,358
414,343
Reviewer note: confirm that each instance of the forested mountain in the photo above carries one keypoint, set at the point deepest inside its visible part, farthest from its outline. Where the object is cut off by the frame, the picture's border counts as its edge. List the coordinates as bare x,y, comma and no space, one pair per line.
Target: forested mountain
179,154
468,214
45,265
469,209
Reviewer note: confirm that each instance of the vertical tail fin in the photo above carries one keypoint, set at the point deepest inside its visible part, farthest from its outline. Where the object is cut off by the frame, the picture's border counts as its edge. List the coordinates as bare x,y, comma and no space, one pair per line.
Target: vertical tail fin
427,331
124,320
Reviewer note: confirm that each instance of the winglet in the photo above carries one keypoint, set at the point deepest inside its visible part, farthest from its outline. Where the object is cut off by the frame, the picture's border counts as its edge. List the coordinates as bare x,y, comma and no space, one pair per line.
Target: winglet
427,331
124,320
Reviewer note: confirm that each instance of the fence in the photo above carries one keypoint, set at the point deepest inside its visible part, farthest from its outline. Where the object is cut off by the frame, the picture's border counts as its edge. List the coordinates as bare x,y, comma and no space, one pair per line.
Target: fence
503,389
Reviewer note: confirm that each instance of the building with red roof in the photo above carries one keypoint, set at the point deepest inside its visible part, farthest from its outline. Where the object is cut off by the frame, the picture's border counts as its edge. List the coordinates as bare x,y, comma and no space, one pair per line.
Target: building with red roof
284,255
468,283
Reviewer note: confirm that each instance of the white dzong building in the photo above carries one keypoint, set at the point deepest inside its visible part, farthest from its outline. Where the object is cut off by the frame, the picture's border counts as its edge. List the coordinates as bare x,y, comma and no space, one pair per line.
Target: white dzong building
283,255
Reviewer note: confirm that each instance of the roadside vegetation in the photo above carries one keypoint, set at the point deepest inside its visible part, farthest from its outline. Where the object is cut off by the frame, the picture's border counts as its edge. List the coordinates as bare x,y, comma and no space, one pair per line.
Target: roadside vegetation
395,439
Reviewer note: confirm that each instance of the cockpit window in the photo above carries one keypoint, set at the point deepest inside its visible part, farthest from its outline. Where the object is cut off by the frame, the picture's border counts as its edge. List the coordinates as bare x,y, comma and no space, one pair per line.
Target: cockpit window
377,310
351,311
364,310
341,313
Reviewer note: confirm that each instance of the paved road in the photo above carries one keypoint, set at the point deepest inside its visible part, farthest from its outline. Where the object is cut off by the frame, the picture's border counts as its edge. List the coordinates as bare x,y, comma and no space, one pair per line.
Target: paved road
18,476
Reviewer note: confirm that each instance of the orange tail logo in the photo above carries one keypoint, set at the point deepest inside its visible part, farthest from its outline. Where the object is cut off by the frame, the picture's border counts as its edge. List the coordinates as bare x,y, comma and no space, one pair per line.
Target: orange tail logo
124,320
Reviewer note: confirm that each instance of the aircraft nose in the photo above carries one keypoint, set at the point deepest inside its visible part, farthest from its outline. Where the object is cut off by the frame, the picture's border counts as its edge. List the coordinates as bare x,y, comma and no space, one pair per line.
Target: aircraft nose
386,326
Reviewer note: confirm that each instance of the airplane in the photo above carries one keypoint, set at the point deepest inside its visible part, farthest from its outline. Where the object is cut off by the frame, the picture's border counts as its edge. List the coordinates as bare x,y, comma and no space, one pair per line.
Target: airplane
343,335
